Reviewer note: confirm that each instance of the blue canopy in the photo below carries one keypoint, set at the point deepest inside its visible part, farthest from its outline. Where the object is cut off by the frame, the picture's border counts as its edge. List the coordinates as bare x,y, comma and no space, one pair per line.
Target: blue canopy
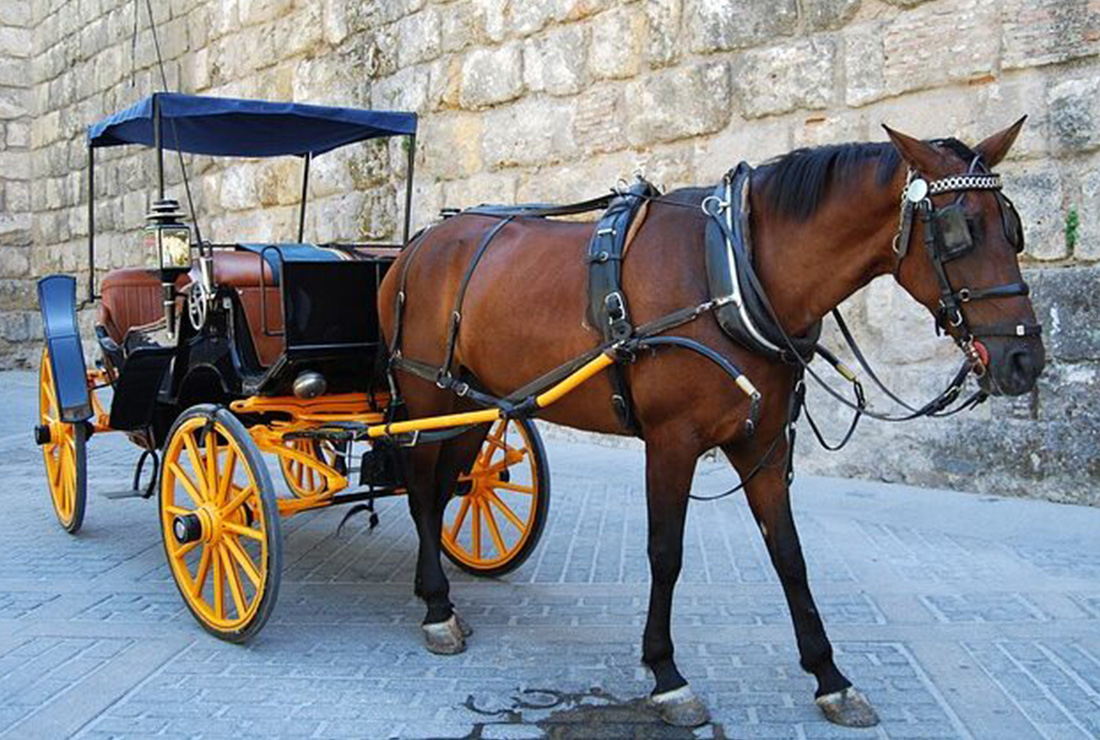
246,128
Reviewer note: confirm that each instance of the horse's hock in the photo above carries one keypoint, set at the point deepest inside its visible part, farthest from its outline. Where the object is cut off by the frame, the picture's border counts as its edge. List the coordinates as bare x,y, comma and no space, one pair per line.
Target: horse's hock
557,100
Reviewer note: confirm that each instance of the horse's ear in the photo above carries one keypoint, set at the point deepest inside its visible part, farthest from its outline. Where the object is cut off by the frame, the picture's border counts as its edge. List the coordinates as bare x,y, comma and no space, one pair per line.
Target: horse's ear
920,155
994,149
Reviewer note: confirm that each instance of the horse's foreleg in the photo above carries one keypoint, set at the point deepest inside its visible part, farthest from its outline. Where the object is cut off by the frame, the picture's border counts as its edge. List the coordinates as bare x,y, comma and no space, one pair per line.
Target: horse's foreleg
432,477
669,470
769,498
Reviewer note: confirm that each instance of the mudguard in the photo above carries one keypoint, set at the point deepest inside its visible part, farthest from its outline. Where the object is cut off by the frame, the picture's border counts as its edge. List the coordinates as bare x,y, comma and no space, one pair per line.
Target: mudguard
57,301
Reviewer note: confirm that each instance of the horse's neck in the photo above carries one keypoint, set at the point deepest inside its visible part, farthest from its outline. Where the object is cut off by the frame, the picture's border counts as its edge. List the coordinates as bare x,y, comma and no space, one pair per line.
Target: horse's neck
809,268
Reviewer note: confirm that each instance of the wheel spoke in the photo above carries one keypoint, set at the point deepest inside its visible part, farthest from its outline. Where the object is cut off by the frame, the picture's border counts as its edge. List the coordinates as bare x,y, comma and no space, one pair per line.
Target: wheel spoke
212,464
243,560
175,510
196,464
183,549
460,517
239,499
226,481
506,510
234,582
200,574
219,592
185,481
244,531
476,506
494,530
509,486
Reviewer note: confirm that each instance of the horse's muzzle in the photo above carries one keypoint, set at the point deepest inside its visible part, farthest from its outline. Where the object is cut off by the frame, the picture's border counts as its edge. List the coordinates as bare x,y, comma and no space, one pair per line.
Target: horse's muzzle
1014,366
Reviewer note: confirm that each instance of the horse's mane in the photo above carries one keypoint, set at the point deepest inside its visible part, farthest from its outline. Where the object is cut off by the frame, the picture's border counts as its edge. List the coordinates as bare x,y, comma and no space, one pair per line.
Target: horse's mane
795,184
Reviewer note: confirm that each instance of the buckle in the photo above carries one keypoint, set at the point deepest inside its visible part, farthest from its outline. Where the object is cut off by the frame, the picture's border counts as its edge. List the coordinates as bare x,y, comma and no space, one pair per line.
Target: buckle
616,307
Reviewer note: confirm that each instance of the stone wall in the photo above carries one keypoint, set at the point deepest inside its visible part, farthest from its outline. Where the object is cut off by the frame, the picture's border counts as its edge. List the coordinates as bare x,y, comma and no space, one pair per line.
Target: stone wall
557,99
19,323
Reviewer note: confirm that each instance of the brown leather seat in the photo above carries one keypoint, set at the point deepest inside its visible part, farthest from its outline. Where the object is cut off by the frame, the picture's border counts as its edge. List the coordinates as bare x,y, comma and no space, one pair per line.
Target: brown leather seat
241,271
131,297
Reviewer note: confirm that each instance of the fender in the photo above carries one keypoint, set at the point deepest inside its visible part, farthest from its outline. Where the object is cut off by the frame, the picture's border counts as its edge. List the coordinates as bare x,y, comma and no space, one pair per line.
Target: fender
57,301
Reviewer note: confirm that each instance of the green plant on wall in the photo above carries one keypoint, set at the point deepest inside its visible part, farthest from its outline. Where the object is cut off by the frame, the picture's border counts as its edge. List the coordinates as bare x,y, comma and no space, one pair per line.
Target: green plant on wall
1072,221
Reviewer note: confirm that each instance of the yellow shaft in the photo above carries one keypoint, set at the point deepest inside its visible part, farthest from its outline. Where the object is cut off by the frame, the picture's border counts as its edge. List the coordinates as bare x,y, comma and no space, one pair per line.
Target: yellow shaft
486,416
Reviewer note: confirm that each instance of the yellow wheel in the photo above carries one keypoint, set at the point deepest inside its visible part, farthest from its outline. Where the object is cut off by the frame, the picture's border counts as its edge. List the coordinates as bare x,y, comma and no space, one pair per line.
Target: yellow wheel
302,480
495,516
220,523
63,451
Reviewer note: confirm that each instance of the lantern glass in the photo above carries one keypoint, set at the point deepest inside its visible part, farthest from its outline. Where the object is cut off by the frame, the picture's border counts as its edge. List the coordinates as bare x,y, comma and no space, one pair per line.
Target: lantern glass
174,246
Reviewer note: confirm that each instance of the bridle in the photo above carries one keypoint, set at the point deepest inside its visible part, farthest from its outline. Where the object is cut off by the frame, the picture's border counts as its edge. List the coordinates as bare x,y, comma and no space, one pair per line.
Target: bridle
949,235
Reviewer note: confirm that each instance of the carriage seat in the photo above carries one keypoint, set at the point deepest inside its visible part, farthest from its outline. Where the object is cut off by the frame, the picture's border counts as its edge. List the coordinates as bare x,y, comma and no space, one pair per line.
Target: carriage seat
130,299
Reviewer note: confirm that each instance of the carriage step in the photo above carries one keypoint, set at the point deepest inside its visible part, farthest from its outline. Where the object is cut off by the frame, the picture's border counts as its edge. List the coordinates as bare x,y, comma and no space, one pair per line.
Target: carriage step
124,493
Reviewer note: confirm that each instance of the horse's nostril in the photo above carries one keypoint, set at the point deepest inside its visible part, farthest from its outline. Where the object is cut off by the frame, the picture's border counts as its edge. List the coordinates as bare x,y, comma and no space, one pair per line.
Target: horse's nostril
1023,364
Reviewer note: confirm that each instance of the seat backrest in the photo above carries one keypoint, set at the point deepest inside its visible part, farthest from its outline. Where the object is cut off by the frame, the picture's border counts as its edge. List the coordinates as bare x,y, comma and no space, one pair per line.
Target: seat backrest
131,296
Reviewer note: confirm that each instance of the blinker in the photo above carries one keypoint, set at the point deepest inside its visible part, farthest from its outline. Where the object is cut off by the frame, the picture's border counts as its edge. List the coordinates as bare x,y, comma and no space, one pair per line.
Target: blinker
952,232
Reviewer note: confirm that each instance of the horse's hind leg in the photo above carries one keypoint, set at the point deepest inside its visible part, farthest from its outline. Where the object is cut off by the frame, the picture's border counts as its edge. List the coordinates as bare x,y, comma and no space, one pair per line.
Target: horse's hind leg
669,469
433,471
769,498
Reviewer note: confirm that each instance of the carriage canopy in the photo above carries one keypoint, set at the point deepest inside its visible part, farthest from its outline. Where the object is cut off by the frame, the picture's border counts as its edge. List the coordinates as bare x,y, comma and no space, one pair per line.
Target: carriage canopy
245,128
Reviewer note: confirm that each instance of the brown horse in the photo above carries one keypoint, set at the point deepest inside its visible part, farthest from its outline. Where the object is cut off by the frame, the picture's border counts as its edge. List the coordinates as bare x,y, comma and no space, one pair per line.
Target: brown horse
823,223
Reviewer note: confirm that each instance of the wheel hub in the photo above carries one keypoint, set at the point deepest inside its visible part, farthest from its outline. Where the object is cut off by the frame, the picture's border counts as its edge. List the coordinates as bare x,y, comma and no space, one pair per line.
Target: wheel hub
187,528
42,434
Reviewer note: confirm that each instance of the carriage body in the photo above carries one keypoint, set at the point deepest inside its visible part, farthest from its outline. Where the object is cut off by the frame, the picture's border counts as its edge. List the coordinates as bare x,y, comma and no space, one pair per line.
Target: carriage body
244,350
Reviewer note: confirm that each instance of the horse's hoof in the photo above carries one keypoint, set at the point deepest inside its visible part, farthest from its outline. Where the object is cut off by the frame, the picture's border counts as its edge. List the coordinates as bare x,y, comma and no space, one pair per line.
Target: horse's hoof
463,625
680,707
444,638
848,708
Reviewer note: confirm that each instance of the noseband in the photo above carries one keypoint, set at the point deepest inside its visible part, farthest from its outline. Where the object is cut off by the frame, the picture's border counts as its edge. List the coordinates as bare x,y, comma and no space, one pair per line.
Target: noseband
949,235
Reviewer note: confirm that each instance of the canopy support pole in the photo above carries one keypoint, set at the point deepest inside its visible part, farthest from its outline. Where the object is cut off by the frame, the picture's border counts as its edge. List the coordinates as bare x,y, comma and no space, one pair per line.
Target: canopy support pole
159,144
409,187
305,190
91,223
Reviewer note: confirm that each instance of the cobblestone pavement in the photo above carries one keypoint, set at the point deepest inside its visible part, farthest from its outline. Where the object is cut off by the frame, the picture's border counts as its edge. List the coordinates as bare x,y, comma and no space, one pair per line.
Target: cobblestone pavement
958,615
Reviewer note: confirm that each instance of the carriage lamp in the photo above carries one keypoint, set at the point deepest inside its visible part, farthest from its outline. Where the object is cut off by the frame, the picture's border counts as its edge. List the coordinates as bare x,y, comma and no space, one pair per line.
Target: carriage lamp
168,235
171,238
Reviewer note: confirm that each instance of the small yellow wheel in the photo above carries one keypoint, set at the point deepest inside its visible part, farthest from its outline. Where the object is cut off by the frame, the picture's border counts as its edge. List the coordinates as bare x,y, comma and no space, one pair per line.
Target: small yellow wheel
220,523
302,480
63,451
495,516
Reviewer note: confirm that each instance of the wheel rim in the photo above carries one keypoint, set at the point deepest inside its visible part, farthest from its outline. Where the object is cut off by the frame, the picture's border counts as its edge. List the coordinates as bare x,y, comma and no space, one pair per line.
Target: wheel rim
491,517
60,452
303,480
222,575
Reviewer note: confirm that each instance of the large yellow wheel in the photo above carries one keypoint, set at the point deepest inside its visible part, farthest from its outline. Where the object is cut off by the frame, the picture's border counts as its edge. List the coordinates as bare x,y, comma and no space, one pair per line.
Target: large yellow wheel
63,451
220,523
302,480
495,516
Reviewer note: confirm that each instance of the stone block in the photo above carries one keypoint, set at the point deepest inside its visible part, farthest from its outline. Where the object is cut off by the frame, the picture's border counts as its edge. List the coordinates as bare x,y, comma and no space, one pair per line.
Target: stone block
418,37
13,103
532,17
754,141
406,89
238,190
617,39
462,24
14,260
17,196
451,144
555,62
14,72
532,131
1036,190
1088,211
484,187
491,76
677,103
16,42
828,14
334,21
1067,304
1040,32
1074,107
829,128
940,42
662,45
1002,102
724,25
15,326
17,134
597,127
259,11
864,60
278,182
17,294
15,13
779,79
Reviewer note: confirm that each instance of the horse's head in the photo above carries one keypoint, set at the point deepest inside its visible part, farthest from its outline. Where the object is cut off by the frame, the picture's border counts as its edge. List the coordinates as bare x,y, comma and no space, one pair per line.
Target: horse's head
957,252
